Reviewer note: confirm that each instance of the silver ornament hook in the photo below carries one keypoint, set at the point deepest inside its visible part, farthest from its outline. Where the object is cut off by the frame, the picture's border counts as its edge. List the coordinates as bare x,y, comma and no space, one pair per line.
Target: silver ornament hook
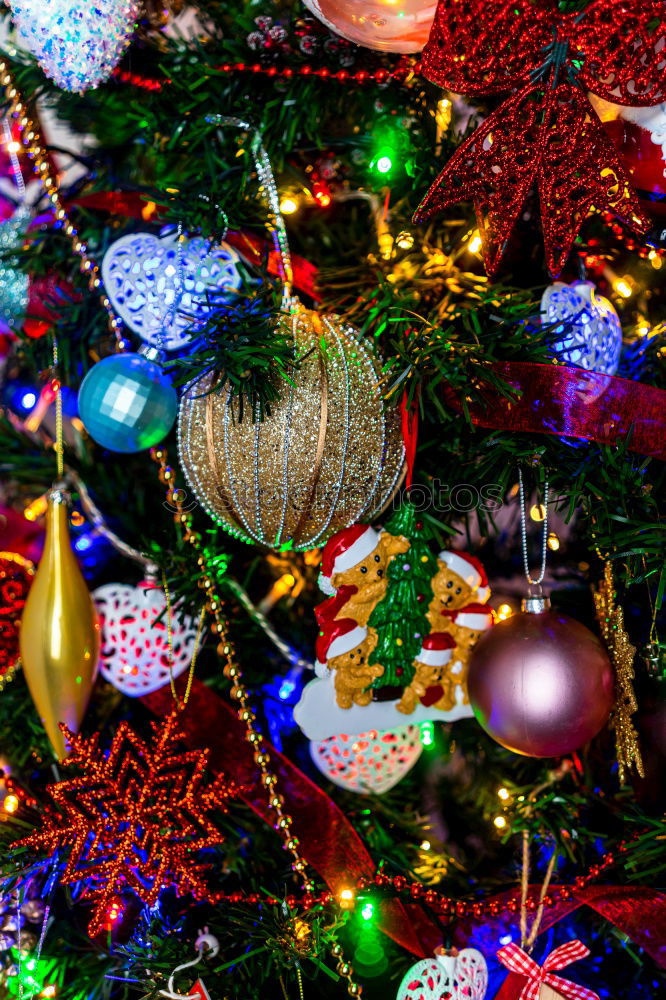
205,942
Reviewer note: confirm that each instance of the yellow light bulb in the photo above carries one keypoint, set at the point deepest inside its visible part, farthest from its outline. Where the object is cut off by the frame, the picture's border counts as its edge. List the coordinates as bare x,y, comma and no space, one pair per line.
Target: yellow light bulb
346,898
385,241
503,793
425,845
288,205
623,288
500,822
504,611
404,240
475,242
11,803
443,113
538,512
553,542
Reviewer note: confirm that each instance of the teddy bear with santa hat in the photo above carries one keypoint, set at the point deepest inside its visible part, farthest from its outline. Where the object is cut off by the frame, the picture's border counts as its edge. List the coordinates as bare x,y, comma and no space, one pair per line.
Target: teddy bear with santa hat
460,579
344,647
466,626
432,683
353,572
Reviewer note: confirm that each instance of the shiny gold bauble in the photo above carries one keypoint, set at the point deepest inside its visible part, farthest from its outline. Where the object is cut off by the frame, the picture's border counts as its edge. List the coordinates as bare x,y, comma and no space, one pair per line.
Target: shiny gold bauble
59,637
329,454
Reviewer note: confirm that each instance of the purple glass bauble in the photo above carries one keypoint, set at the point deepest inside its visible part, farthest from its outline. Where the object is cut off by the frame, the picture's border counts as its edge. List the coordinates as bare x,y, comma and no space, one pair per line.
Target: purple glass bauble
540,684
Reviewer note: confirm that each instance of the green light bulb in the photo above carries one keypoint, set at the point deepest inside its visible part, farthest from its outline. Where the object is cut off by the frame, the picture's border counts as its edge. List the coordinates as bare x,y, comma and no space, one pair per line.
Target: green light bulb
427,733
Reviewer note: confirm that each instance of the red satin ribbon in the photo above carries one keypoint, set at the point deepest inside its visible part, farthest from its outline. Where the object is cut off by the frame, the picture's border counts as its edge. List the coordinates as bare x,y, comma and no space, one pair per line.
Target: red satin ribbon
409,418
331,845
572,402
328,840
637,911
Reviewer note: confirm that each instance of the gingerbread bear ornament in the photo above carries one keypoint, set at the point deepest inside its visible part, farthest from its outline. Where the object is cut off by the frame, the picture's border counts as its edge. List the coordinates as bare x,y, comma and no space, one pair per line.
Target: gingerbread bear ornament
432,683
357,557
344,647
460,579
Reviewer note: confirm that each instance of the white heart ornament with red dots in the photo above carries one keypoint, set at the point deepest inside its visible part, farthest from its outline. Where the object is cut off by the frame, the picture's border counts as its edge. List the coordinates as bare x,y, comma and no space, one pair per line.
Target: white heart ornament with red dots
461,976
369,763
135,654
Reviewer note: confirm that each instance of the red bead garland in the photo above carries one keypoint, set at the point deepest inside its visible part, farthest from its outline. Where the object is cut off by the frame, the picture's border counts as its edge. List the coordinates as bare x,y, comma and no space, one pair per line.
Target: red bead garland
444,905
403,73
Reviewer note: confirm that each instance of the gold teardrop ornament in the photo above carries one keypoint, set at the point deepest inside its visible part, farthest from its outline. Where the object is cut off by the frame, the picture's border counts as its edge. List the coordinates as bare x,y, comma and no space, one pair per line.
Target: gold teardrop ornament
59,637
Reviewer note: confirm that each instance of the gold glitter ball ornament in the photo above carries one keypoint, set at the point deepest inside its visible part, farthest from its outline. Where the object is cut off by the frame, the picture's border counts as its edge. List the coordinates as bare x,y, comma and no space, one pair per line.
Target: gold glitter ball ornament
328,454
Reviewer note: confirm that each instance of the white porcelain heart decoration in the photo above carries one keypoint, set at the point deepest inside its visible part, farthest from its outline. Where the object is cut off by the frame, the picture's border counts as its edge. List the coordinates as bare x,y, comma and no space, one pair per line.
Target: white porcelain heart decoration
134,653
369,763
163,291
587,329
461,976
77,43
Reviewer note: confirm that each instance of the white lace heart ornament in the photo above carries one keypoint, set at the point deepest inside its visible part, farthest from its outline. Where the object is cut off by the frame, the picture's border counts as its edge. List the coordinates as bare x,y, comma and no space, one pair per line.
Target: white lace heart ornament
586,326
461,976
369,763
163,291
77,43
134,653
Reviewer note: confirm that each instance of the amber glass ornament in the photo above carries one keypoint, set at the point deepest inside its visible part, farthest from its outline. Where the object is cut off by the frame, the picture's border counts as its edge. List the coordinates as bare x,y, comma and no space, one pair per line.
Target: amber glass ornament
329,453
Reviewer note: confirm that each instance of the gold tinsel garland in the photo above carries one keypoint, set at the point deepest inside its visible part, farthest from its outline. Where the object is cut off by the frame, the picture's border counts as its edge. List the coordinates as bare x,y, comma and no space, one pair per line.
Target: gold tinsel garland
611,620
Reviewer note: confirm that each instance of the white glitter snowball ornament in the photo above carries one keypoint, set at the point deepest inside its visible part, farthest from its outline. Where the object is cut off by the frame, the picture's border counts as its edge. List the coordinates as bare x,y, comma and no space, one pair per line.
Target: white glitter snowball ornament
370,763
78,43
135,654
163,290
585,324
452,975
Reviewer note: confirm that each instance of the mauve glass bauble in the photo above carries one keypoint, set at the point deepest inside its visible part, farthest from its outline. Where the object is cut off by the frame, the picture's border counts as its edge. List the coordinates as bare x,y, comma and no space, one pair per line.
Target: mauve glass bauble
388,25
540,684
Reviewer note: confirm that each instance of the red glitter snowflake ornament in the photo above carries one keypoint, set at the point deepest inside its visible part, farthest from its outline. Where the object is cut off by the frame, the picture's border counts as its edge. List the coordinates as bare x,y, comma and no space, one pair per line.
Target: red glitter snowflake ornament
546,134
134,818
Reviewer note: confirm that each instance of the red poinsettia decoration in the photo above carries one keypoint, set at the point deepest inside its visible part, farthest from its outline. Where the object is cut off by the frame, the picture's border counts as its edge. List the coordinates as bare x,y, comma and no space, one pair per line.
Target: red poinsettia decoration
546,134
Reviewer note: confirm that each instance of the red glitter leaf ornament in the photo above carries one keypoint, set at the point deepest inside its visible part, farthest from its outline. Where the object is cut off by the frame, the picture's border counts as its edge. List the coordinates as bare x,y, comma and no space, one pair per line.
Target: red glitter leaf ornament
547,133
623,47
579,169
133,819
483,48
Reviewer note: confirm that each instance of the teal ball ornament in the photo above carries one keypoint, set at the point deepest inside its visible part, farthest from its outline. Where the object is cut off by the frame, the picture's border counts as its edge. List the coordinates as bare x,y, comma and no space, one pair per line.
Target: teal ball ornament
127,403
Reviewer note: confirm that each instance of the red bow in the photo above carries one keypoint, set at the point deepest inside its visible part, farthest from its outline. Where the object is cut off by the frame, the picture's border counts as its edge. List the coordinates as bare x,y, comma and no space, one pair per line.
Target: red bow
546,134
516,960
